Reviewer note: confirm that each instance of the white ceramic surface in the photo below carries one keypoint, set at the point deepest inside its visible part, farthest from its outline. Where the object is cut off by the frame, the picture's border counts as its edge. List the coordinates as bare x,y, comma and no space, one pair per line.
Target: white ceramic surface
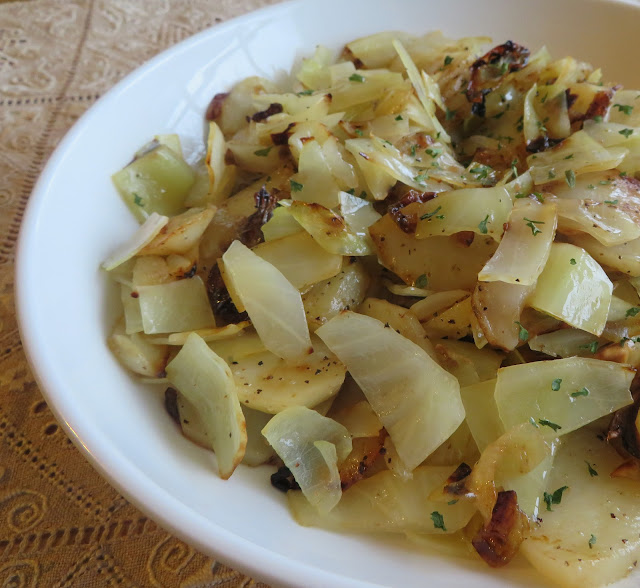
75,218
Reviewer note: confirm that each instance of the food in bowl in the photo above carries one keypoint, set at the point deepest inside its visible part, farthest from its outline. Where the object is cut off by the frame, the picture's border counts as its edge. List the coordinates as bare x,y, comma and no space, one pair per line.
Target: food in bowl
410,280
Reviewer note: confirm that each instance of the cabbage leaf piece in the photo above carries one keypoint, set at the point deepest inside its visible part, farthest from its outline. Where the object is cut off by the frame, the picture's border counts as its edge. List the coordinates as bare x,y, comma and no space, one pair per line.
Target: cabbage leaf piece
562,395
311,446
573,288
207,383
273,303
417,401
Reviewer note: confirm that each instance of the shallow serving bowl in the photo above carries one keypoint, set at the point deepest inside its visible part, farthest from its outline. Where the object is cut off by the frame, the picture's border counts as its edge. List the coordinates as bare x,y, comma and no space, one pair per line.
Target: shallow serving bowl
75,218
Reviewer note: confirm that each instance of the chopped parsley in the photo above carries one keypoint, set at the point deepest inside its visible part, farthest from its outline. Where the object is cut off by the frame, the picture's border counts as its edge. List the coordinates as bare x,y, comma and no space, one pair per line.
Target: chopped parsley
359,132
413,150
483,225
633,311
430,214
572,261
421,178
570,156
612,202
514,169
438,520
598,118
450,114
305,93
593,346
452,502
523,334
555,498
582,392
552,174
570,176
262,152
592,541
137,200
421,281
555,385
532,225
592,472
482,171
624,108
399,117
433,152
447,60
356,78
295,186
546,423
626,133
521,195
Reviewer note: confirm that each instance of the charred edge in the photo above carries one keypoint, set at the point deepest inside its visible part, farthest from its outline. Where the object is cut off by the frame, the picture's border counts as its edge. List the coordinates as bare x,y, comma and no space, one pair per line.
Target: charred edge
283,480
274,108
456,482
265,203
220,299
600,104
515,56
499,540
571,98
542,144
282,138
408,223
214,110
171,404
464,238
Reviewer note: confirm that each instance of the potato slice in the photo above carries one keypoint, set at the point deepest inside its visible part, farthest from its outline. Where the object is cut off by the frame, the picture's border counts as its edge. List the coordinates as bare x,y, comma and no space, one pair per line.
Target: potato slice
206,381
181,233
137,353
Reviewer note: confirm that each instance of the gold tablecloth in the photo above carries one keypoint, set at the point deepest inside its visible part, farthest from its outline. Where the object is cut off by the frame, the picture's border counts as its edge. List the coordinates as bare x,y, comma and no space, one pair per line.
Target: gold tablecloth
61,524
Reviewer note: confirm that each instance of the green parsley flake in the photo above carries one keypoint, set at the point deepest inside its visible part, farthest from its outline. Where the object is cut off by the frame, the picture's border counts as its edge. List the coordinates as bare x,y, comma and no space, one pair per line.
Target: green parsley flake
592,472
295,186
572,261
555,385
413,150
521,195
359,132
570,156
482,171
598,118
430,214
624,108
450,114
452,502
582,392
612,202
262,152
592,541
523,334
305,93
546,423
438,520
137,200
399,117
421,178
532,225
433,152
552,174
593,346
570,176
447,60
633,311
555,498
483,225
421,281
626,133
356,78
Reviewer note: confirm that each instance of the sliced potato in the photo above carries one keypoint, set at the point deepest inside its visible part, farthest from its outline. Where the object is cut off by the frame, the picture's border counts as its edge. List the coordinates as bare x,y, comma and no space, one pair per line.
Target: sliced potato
181,233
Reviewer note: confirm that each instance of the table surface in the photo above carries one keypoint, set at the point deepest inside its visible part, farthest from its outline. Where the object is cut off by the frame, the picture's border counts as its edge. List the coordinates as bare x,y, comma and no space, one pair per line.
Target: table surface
61,524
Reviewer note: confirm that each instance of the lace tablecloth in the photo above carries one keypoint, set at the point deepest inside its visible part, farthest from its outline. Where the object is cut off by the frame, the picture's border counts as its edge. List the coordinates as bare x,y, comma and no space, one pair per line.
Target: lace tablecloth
61,524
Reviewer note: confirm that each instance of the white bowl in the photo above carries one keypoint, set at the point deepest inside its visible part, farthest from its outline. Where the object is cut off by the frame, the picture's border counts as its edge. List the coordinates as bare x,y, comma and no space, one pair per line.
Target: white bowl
75,218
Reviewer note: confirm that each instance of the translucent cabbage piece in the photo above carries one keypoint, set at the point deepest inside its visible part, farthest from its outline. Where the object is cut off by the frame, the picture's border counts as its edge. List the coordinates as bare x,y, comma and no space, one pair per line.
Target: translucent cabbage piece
525,245
624,257
175,307
388,503
157,181
300,259
281,224
417,401
566,343
181,233
480,210
273,303
562,395
311,446
207,383
138,353
573,288
142,237
482,412
592,537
